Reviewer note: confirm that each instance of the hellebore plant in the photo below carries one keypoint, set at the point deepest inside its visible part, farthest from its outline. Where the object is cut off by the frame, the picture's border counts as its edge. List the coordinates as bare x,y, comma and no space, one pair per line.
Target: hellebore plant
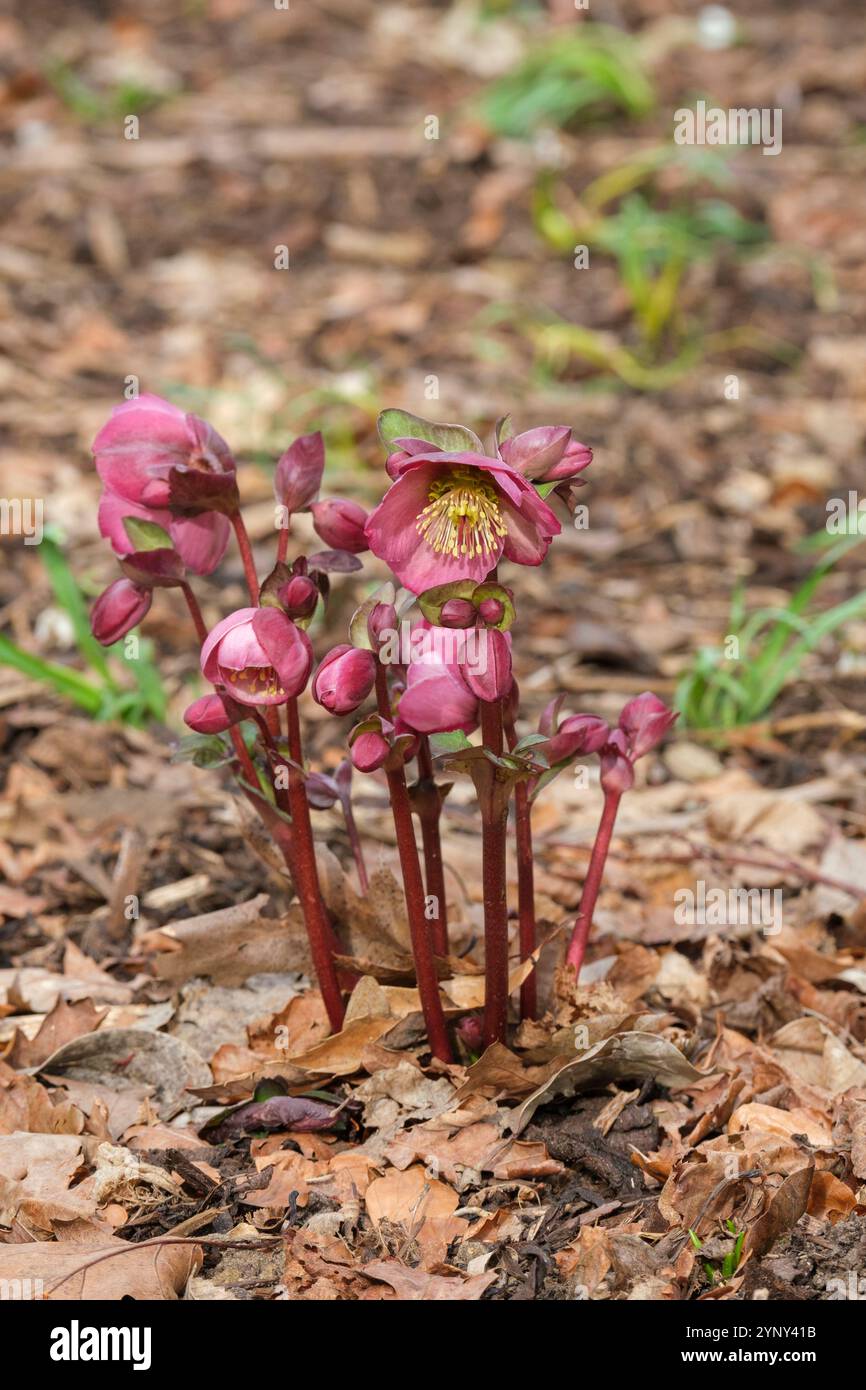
451,515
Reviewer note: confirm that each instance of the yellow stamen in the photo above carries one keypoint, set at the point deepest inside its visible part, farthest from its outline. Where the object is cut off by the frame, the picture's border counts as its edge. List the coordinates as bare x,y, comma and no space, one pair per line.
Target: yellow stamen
251,677
463,517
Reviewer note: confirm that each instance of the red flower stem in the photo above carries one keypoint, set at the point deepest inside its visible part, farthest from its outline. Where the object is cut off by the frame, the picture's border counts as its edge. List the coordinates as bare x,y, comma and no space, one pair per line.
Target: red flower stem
493,827
413,889
246,551
429,809
355,842
307,878
296,844
283,542
525,884
592,883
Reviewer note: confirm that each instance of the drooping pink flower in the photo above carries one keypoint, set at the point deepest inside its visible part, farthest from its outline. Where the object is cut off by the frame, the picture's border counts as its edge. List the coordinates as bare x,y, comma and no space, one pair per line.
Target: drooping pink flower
490,677
445,675
145,439
575,735
645,720
200,541
617,768
344,679
213,714
298,474
548,454
453,516
340,523
259,655
118,609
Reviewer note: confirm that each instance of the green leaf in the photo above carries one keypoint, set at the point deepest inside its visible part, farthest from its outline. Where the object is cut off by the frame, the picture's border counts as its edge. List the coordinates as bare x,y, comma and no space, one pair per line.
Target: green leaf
400,424
71,599
202,750
146,535
442,744
61,678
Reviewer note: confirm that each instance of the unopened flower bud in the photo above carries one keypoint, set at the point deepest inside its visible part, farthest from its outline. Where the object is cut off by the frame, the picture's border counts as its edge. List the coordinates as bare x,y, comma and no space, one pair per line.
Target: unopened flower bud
213,714
119,609
457,613
344,679
340,523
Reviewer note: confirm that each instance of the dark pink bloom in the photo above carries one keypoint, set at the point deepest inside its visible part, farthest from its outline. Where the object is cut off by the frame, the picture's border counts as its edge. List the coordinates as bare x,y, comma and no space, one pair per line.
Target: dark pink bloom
344,679
491,610
340,523
258,655
645,720
370,751
439,695
548,454
200,541
579,733
457,613
145,439
213,714
117,610
490,679
298,474
381,624
617,768
453,516
299,596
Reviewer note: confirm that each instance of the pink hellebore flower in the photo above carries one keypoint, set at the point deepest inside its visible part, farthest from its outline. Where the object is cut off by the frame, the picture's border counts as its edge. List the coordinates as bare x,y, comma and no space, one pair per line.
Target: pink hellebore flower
344,679
645,720
135,453
258,655
298,474
548,454
145,439
117,610
454,516
340,523
213,714
445,682
577,734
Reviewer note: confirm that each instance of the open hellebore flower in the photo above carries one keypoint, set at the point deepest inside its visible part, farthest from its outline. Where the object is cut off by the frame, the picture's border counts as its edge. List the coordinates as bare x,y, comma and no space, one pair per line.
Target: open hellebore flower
118,609
548,454
344,679
298,475
340,523
454,515
258,655
213,714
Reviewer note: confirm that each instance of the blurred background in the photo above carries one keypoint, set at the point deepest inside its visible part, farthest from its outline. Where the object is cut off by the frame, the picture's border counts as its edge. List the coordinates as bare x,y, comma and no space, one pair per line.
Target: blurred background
287,218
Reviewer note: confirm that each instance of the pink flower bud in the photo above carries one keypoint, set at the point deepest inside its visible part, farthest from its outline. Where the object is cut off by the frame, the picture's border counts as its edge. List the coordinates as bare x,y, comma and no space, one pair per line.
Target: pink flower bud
547,454
340,523
299,596
579,733
122,605
213,714
381,623
617,772
645,721
298,474
457,612
344,679
259,656
470,1030
370,751
490,678
491,610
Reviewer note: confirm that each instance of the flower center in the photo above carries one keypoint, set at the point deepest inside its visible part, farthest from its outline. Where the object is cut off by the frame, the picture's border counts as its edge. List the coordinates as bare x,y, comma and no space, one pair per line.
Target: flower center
462,517
254,680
